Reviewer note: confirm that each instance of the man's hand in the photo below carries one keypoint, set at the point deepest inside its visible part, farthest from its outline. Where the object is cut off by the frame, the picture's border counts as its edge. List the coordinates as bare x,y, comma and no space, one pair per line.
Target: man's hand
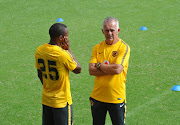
65,43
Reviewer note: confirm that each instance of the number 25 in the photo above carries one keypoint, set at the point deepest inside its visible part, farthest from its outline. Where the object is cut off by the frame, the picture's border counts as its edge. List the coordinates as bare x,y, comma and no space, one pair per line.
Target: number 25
51,69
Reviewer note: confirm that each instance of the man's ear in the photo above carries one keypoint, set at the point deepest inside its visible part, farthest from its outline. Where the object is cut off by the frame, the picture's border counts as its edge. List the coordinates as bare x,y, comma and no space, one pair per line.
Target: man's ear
102,31
118,29
60,38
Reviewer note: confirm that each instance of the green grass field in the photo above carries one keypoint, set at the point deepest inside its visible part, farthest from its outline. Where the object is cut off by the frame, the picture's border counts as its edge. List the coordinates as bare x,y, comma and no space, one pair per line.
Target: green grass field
154,65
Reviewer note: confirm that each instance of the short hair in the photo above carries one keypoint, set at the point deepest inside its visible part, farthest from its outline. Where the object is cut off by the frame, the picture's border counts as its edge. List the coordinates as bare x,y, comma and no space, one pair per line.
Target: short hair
110,19
57,29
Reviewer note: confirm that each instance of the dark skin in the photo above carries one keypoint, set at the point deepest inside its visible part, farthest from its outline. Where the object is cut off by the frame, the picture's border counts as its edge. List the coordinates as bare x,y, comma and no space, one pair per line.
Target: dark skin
62,41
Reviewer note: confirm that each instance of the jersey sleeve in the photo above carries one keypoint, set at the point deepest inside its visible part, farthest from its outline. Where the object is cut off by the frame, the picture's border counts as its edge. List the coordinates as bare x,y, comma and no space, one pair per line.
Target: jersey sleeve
94,55
123,56
68,61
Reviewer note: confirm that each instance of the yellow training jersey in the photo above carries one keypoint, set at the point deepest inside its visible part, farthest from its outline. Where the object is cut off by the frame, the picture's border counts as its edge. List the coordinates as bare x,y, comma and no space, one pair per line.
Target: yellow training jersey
111,88
55,64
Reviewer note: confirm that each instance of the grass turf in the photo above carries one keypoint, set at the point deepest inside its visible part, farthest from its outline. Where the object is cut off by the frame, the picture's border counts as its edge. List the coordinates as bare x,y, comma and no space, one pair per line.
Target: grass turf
154,62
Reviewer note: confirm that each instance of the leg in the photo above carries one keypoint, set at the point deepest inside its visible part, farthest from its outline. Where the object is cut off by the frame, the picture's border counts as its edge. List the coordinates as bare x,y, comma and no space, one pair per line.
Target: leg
47,116
117,113
99,111
63,116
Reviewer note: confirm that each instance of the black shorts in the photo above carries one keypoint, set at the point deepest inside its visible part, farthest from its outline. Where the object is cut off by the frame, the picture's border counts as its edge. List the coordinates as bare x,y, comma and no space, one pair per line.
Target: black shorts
99,110
57,116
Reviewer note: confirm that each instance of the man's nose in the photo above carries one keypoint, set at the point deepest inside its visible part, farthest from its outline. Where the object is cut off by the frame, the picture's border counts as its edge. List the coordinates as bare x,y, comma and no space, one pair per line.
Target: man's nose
109,32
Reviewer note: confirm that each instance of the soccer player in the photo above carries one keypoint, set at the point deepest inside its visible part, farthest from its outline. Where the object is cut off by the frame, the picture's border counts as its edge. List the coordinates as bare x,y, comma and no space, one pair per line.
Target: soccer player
53,64
109,64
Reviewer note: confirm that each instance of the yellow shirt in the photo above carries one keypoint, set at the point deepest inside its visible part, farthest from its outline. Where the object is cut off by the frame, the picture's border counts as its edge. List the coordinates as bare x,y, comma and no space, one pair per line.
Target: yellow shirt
55,64
111,88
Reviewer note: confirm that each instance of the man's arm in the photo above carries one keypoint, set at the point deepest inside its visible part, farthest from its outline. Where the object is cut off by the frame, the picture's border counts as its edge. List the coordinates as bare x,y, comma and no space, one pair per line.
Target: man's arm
105,69
111,69
66,46
94,71
40,75
77,70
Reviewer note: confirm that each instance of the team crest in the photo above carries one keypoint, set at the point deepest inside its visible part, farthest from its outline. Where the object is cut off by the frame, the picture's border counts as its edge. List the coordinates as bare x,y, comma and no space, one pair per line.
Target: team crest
114,53
106,62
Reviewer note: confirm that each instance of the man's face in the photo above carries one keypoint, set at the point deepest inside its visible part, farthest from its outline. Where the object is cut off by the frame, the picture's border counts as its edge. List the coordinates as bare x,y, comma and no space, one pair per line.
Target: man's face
64,40
110,31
